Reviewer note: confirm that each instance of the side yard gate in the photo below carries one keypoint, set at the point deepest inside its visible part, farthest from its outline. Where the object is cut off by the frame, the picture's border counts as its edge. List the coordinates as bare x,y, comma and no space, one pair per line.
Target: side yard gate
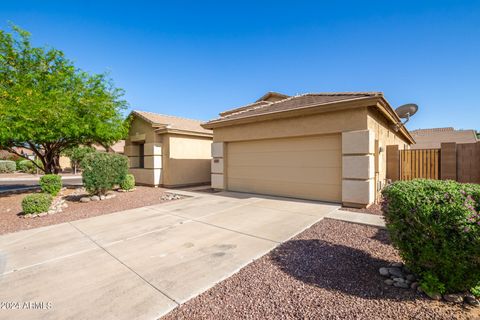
460,162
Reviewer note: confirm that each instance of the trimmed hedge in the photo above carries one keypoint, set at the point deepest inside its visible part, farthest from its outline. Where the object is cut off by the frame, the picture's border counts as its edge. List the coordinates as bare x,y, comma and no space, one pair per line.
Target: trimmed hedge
435,225
102,171
51,183
7,166
128,183
36,203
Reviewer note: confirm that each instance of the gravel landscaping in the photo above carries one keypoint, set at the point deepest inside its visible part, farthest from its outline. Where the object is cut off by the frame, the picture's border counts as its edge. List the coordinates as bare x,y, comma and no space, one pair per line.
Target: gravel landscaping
10,207
329,271
371,209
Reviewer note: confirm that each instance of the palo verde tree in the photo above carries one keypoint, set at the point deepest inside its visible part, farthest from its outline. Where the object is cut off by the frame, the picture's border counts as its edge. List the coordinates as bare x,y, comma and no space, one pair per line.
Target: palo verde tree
47,105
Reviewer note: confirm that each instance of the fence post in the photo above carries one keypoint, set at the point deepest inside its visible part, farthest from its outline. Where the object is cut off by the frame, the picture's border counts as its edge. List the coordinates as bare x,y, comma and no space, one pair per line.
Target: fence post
393,163
448,161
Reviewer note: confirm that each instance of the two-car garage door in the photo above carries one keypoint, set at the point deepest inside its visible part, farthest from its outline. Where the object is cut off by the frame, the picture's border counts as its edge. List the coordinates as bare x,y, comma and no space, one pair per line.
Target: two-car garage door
305,167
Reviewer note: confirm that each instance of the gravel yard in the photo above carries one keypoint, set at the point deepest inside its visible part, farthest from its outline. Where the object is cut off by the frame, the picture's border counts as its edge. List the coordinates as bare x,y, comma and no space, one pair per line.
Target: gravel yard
372,209
10,207
330,271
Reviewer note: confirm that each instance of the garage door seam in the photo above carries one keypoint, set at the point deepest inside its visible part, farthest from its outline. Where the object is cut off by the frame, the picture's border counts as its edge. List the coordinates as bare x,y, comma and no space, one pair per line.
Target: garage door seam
125,265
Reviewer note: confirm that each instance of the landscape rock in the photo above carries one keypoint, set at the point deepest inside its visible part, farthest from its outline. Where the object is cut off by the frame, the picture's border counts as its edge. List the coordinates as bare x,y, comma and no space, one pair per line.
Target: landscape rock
411,277
414,285
389,282
471,300
401,285
42,214
84,199
398,280
384,272
397,264
434,295
95,198
170,196
102,197
394,271
453,297
110,196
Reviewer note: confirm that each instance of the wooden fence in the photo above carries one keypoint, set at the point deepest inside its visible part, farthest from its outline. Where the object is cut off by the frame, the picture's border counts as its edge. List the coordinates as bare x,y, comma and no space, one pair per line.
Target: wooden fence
460,162
420,164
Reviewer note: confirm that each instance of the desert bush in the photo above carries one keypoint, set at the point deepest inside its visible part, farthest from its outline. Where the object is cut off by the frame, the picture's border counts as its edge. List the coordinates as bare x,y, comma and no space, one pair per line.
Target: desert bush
435,225
128,183
7,166
51,183
102,171
36,203
25,166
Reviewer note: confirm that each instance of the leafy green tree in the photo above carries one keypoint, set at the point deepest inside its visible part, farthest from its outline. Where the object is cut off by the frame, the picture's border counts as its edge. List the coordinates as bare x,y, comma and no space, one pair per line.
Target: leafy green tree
47,105
77,154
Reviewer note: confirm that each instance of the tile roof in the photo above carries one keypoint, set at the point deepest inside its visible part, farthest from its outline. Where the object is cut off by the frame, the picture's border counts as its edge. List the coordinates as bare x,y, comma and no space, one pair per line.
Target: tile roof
173,122
432,138
291,103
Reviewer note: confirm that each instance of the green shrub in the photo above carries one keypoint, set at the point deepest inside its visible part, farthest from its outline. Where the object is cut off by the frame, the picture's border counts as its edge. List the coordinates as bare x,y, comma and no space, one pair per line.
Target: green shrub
7,166
102,171
36,203
436,227
25,166
51,183
128,183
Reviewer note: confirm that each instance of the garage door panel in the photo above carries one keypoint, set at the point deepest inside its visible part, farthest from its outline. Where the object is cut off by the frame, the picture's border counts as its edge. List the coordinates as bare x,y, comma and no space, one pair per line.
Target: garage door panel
327,142
285,174
326,158
306,167
288,189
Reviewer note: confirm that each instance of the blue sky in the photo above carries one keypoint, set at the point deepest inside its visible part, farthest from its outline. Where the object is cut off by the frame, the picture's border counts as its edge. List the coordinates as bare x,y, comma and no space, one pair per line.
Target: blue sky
195,59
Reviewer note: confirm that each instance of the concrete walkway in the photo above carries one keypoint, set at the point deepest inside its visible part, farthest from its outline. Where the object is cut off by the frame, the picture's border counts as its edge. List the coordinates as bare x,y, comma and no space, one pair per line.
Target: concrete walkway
141,263
356,217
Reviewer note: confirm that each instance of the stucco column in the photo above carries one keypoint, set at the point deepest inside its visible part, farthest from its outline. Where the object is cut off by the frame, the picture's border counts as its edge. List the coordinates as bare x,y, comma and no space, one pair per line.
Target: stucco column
218,181
358,168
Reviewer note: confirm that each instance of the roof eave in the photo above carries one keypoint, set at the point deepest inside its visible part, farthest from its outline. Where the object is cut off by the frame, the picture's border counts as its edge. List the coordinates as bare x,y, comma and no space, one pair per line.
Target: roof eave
310,109
164,130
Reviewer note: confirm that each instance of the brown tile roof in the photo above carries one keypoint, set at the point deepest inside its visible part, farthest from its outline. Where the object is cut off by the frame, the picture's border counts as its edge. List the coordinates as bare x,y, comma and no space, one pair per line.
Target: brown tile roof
432,138
117,147
291,103
173,122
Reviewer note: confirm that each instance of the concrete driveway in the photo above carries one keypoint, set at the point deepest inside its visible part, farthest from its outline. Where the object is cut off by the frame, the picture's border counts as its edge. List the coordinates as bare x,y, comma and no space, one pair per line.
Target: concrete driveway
141,263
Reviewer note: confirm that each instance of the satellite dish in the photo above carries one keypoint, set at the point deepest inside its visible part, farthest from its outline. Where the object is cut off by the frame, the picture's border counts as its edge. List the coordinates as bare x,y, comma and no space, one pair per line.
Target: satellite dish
406,110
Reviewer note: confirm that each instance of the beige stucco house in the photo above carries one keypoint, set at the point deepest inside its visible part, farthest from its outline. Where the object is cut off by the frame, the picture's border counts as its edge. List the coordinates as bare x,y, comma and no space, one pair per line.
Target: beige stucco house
168,151
326,146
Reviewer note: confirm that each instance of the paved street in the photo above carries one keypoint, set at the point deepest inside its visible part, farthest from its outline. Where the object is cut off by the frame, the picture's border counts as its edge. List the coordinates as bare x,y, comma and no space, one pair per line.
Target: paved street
27,183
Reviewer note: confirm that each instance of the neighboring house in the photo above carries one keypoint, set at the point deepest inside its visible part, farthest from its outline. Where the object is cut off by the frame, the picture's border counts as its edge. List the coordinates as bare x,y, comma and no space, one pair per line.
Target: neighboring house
168,151
326,146
5,155
432,138
118,147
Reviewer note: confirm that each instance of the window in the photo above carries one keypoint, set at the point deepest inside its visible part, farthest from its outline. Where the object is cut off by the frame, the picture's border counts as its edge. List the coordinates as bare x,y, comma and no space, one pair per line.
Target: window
141,156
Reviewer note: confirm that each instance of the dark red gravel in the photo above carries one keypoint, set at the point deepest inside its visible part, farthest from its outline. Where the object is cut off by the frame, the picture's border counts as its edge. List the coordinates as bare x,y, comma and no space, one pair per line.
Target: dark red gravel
10,207
329,271
372,209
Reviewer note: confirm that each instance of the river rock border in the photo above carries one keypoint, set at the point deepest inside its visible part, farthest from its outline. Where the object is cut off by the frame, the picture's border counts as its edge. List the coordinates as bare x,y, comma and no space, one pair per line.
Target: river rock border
58,204
399,276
